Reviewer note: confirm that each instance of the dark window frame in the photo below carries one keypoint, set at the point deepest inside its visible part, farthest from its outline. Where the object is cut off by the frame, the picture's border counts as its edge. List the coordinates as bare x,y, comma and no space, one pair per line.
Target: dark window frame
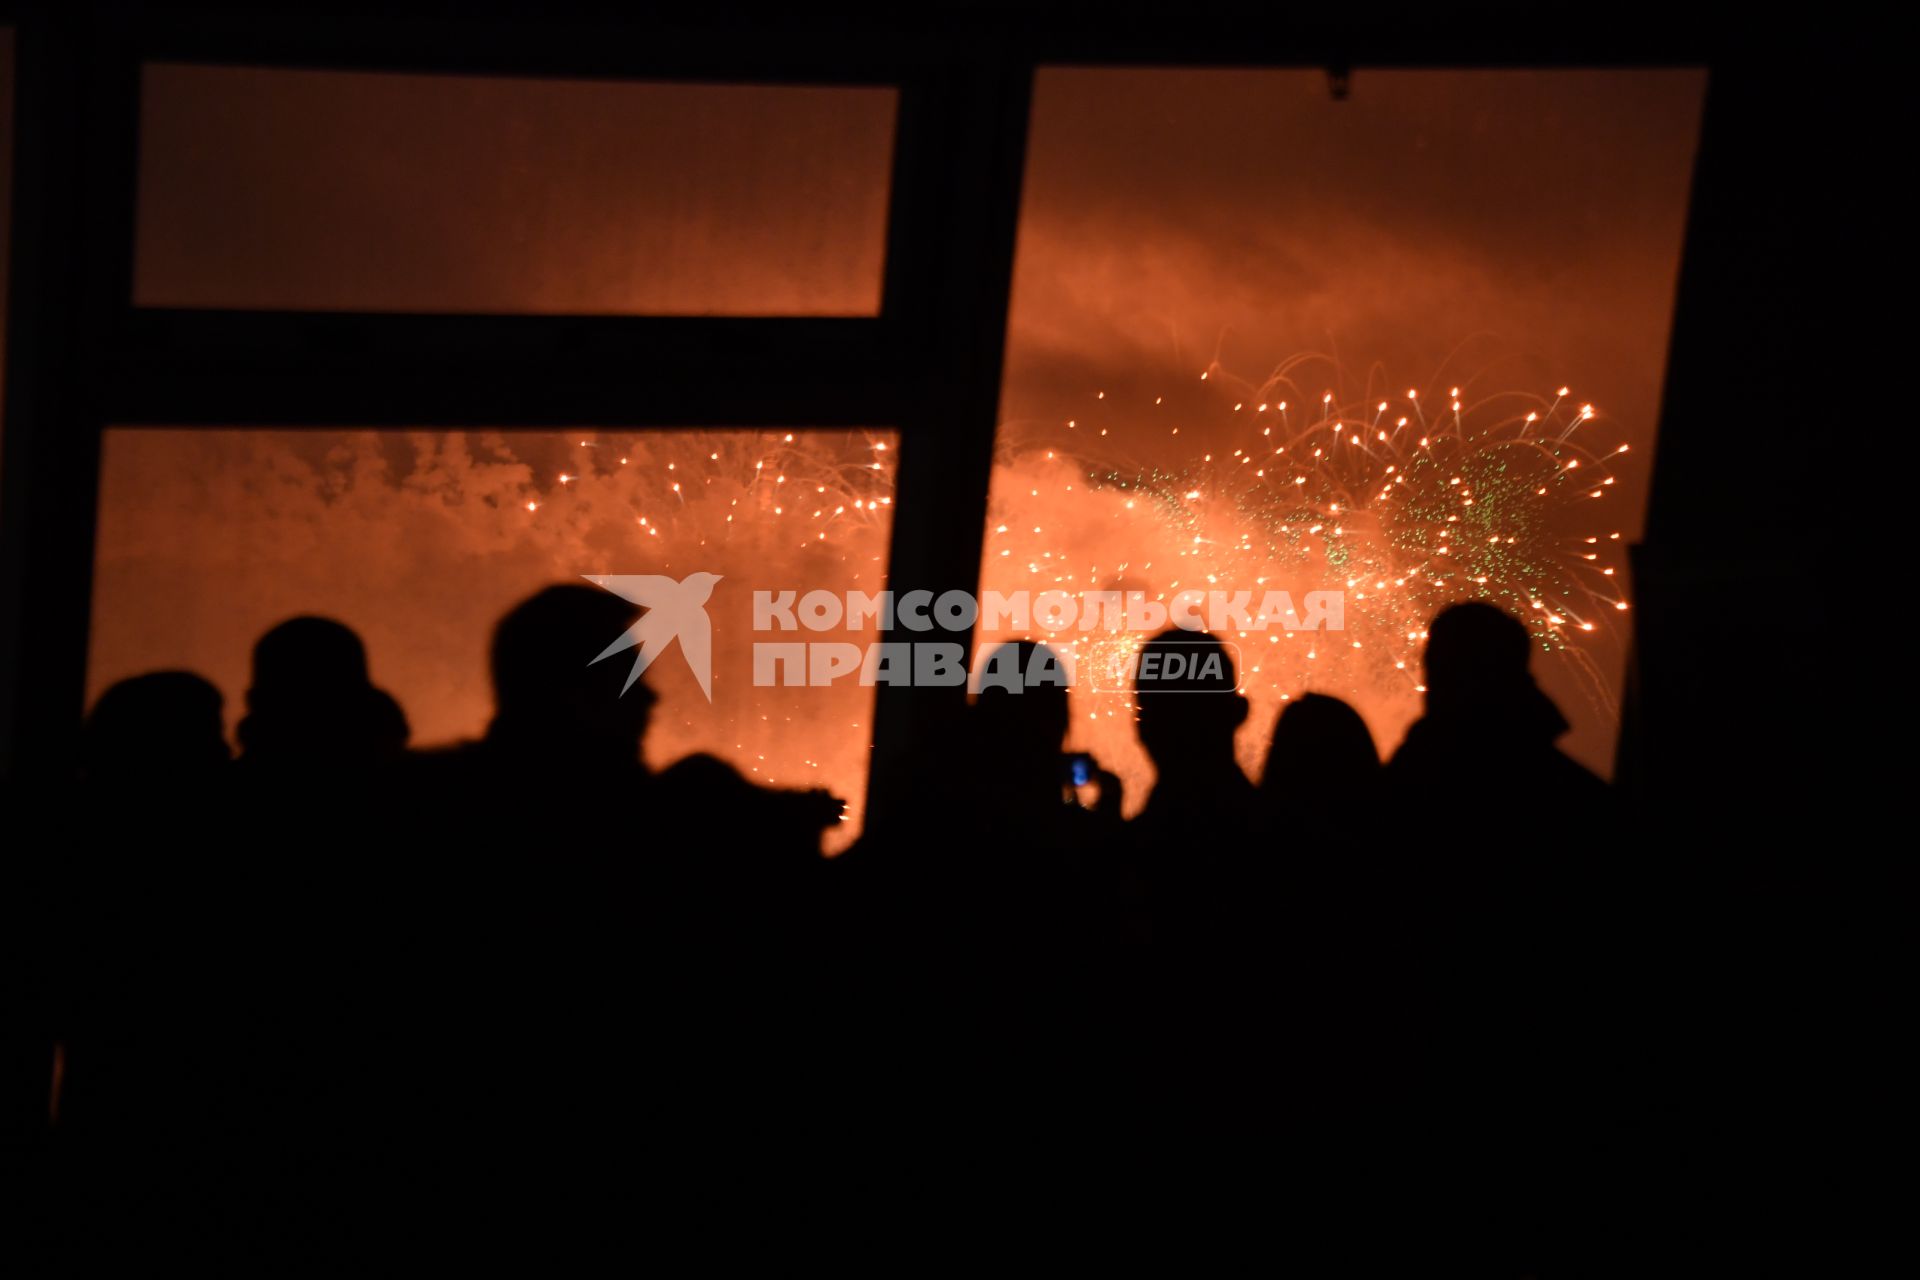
927,366
81,357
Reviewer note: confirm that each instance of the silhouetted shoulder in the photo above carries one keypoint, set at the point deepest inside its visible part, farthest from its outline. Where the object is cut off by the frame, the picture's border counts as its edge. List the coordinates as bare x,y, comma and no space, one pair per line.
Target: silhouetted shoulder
710,799
701,771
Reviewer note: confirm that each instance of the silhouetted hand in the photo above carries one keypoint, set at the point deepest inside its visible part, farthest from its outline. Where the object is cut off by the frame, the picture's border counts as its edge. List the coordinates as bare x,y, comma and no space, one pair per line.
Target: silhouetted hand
1109,792
818,808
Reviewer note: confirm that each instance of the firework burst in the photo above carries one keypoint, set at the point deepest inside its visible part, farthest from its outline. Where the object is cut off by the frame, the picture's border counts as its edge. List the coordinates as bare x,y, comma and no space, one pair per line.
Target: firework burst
713,488
1404,502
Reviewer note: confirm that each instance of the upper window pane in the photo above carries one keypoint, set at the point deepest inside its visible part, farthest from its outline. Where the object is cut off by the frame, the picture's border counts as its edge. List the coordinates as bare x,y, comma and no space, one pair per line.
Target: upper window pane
351,191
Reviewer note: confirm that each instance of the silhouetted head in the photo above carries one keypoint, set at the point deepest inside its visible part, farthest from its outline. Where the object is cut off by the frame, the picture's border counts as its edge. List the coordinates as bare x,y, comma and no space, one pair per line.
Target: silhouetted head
305,653
1186,692
1027,719
311,701
165,723
1475,652
1320,744
547,684
1477,676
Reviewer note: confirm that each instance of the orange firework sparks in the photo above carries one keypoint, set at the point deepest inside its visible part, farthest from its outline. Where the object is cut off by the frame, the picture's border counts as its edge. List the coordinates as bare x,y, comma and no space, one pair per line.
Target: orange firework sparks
1403,502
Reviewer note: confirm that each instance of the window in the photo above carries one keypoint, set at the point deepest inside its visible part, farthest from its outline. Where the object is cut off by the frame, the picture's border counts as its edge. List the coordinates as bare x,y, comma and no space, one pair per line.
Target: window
1198,248
355,191
421,540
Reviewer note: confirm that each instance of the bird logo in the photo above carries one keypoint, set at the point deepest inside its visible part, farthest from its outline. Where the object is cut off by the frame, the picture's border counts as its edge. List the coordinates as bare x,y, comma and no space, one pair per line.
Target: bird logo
673,610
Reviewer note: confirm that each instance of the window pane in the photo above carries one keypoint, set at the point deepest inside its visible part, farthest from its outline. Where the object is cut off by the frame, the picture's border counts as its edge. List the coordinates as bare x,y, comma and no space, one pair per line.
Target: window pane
1197,245
420,541
323,190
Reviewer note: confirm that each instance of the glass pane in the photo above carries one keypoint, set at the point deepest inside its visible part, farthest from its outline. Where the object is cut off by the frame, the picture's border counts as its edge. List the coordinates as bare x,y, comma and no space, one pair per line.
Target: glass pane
420,541
324,190
1215,266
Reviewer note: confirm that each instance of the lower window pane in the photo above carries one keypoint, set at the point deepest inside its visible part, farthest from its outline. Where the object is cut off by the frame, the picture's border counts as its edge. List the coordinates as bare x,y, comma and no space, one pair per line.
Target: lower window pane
420,541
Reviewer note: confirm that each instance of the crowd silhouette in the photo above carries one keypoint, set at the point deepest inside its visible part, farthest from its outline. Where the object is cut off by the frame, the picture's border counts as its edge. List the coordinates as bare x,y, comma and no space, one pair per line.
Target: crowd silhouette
334,984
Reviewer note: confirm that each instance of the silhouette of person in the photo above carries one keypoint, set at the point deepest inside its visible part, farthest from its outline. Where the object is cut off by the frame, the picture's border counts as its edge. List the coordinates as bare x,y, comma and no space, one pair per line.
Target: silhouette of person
554,711
231,944
163,726
1058,917
566,725
1487,718
311,705
1198,847
1337,902
996,904
320,746
1512,831
1018,734
1322,763
1188,708
136,948
621,943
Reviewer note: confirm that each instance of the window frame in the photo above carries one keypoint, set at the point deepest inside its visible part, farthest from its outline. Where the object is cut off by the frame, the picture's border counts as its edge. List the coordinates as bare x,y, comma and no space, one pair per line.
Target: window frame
81,357
86,358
